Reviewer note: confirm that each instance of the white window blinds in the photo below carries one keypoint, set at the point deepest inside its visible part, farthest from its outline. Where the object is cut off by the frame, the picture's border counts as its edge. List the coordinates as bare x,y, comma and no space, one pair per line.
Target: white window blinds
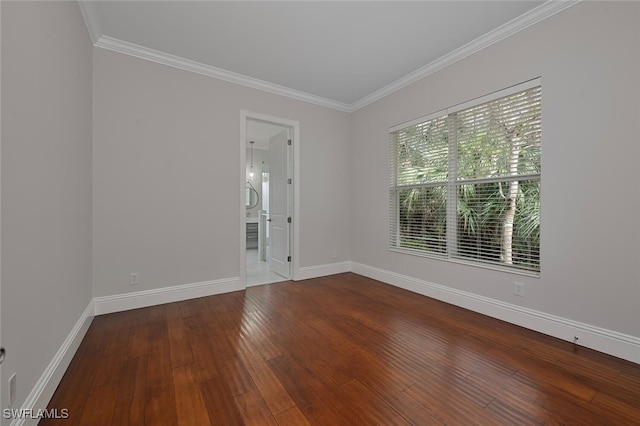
465,183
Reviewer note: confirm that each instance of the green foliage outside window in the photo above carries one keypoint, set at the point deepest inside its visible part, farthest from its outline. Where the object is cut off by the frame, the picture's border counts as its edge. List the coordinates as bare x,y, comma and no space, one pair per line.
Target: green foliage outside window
467,184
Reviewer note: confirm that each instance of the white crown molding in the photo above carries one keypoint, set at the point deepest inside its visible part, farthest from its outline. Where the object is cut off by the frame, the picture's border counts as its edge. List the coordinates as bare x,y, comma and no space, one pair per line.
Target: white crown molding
608,341
544,11
540,13
90,19
207,70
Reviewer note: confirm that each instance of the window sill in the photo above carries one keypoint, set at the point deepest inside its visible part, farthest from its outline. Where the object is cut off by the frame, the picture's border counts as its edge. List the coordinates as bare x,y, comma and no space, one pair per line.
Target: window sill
459,261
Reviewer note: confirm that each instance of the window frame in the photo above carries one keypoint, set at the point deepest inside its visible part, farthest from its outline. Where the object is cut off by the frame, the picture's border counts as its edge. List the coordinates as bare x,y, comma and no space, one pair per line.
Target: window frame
452,183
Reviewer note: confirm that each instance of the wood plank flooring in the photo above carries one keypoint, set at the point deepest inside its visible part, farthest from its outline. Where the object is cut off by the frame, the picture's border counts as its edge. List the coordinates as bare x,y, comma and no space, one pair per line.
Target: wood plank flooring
339,350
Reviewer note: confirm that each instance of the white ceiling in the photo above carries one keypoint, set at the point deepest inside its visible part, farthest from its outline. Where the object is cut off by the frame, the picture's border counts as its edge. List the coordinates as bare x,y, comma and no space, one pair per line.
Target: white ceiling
339,53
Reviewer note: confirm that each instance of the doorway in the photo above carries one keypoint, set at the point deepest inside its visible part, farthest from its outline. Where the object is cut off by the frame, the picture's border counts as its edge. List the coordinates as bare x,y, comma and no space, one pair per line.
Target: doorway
268,246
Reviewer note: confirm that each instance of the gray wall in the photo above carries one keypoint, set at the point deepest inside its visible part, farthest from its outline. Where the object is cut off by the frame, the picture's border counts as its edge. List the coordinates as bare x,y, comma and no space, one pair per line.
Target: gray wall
46,184
588,59
166,175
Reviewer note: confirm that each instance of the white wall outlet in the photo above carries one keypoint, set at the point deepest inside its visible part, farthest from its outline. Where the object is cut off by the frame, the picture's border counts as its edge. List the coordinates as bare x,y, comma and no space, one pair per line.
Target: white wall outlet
12,389
518,289
334,254
134,278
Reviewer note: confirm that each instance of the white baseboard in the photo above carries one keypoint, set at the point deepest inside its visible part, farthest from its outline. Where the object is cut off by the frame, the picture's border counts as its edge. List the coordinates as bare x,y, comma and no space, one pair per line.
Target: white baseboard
145,298
309,272
600,339
41,394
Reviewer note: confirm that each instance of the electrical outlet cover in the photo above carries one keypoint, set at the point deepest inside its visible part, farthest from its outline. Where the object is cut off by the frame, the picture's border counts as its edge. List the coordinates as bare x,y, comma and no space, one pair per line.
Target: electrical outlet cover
518,289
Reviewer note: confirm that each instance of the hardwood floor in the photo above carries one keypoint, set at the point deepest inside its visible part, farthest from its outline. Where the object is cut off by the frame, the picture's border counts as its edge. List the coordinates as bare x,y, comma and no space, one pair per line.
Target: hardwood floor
335,350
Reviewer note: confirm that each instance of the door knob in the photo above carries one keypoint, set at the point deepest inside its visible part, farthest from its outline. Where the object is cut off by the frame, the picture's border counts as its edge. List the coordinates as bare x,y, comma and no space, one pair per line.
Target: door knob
2,354
269,220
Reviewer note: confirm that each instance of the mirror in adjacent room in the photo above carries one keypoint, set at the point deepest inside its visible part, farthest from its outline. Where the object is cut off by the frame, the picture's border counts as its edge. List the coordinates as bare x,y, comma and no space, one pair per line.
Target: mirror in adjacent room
252,196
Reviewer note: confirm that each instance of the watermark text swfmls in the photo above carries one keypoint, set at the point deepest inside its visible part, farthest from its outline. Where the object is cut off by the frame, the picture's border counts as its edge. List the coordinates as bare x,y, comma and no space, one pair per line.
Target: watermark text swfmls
28,413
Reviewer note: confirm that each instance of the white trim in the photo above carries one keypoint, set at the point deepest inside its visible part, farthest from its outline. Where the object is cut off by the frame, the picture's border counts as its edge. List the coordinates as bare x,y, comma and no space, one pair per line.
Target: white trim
159,296
316,271
90,17
45,387
540,13
199,68
611,342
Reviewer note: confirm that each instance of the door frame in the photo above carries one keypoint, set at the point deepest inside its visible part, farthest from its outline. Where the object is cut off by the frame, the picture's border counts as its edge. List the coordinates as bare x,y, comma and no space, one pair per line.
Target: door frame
294,231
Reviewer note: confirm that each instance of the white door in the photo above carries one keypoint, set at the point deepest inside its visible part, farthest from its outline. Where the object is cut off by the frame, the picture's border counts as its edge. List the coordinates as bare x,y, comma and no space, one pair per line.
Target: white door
278,258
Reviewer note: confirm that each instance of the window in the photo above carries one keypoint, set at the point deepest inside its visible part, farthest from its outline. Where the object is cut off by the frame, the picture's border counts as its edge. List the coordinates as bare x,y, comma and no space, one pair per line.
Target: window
465,182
